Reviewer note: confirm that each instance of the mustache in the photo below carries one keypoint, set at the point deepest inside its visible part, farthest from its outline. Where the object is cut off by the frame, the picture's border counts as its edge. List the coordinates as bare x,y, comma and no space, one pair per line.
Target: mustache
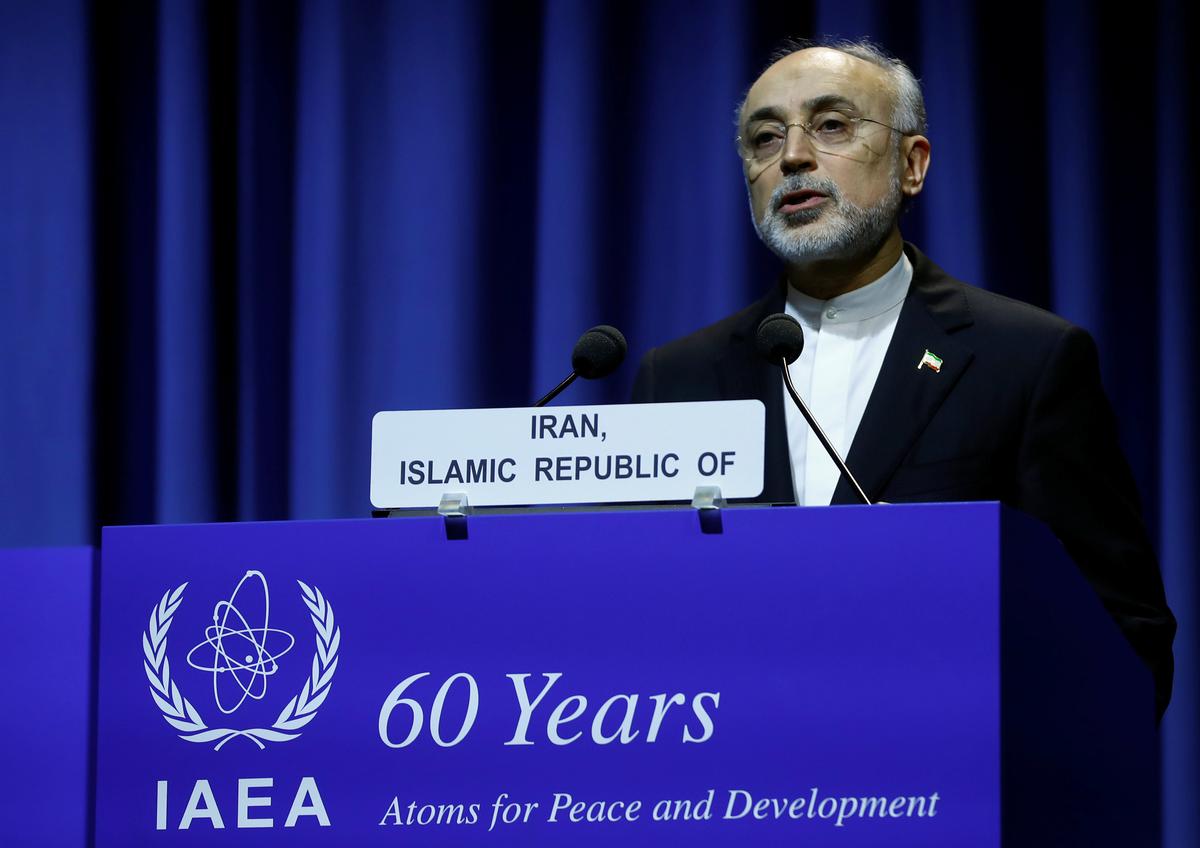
803,182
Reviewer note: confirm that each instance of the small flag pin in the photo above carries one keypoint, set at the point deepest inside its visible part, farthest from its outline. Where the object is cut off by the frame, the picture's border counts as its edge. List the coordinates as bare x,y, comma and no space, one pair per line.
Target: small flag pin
931,361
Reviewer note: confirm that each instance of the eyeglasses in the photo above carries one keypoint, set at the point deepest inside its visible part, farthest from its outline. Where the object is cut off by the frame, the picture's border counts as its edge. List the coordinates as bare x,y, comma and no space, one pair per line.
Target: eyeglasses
829,131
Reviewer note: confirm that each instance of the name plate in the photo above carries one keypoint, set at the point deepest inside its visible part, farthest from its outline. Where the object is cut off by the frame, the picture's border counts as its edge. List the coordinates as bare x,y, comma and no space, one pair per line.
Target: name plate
622,453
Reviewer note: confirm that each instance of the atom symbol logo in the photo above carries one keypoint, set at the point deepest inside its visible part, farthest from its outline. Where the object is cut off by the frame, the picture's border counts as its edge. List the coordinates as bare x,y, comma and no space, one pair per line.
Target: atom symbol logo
241,653
179,712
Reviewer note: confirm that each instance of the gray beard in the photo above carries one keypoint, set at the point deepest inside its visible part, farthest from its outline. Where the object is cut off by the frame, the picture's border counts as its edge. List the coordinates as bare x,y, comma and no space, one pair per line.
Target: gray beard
845,230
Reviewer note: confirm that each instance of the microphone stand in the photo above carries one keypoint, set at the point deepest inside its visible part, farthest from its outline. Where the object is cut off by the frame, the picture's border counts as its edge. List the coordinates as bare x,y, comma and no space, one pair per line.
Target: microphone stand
556,391
816,428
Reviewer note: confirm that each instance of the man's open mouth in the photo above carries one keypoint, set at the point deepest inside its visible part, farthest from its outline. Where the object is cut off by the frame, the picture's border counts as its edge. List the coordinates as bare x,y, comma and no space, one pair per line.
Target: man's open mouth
797,201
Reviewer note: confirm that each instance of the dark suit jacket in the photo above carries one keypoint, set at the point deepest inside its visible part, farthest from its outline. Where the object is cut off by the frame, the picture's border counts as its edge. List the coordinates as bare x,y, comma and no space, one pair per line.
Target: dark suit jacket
1016,414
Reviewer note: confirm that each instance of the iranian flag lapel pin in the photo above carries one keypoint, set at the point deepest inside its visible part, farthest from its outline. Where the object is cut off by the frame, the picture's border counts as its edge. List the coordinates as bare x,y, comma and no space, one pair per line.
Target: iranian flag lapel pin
931,361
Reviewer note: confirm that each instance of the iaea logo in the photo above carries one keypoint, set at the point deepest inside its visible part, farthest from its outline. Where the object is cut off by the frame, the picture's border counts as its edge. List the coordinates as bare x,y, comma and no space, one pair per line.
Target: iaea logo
241,657
248,675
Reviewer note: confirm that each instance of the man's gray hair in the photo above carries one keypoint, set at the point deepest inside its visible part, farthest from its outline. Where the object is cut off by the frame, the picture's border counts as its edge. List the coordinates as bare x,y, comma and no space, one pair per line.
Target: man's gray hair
909,114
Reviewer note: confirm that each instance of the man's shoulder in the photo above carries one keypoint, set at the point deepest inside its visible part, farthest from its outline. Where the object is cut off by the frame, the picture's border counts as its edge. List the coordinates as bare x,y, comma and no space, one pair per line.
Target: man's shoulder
986,313
1003,311
711,341
717,361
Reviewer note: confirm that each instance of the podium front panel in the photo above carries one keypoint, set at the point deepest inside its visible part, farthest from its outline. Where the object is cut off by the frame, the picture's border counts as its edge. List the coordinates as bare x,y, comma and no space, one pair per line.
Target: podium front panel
824,677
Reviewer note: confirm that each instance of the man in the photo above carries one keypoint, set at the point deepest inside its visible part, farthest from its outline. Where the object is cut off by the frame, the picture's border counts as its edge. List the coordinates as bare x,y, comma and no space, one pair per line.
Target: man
932,389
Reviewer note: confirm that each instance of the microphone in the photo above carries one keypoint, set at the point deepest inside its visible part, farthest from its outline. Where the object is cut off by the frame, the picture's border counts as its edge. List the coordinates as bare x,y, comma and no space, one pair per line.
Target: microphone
597,354
780,340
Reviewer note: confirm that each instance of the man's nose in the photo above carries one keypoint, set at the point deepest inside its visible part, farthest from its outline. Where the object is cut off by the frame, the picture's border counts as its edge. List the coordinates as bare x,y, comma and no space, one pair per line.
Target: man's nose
798,153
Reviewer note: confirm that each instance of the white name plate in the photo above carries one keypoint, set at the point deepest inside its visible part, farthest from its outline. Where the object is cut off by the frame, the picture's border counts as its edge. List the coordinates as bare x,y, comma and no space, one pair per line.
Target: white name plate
567,454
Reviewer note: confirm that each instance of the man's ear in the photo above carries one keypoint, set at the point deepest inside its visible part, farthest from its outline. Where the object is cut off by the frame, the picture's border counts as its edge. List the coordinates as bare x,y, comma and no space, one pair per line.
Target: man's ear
914,153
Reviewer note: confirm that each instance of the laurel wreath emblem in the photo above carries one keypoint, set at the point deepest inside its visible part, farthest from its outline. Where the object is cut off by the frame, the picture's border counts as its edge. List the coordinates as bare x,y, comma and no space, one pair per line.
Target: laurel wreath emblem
178,711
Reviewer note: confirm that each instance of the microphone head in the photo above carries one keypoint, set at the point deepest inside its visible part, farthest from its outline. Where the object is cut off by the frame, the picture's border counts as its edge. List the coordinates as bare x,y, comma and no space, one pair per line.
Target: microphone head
598,352
780,337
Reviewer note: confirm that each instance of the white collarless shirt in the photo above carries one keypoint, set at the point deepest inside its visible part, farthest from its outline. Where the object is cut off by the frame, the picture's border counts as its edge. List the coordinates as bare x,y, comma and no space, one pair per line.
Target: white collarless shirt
845,340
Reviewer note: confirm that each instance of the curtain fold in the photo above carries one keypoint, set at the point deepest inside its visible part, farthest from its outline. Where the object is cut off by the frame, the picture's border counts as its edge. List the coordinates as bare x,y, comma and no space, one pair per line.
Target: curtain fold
1174,440
46,295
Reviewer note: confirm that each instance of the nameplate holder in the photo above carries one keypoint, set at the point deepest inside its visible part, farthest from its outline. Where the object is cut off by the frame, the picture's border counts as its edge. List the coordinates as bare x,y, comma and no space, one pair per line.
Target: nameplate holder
621,453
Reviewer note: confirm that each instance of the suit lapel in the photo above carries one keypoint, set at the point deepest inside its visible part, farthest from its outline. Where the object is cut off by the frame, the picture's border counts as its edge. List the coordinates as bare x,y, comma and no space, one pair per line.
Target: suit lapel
744,374
906,397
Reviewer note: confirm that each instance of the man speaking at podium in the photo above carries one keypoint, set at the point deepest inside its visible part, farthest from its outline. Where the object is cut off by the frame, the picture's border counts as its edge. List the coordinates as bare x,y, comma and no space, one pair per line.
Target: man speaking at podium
936,390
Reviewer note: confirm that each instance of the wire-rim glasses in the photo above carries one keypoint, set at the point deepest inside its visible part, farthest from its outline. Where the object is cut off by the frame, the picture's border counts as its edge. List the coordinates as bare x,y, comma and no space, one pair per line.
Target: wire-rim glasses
830,132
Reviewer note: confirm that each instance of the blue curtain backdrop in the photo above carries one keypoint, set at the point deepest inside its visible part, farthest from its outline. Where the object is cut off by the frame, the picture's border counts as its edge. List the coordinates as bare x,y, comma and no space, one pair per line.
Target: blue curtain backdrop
231,232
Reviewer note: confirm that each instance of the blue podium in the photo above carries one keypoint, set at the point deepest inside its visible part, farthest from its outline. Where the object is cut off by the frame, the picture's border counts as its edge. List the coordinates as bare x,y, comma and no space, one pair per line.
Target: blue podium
894,675
925,675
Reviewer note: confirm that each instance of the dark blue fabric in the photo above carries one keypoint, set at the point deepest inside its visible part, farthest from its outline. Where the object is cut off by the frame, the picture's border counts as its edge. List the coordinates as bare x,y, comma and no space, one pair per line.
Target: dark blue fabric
230,233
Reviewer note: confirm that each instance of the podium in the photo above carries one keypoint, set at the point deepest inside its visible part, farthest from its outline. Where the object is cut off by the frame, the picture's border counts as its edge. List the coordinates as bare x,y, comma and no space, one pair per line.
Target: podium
916,675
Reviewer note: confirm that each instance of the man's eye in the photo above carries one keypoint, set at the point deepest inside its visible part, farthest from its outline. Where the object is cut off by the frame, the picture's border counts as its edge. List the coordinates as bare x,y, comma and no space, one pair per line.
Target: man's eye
832,126
766,138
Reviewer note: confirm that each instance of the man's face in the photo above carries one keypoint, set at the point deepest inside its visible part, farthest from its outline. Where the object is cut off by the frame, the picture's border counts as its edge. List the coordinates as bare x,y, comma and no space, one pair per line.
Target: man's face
814,204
